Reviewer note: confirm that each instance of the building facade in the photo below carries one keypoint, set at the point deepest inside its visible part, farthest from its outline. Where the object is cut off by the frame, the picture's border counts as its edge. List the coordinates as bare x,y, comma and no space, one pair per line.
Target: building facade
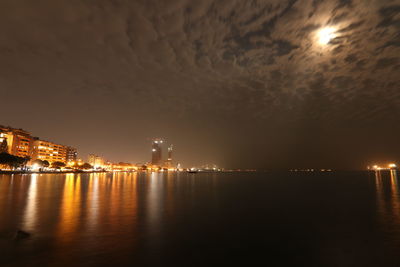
16,142
96,161
72,154
156,152
168,163
21,143
6,139
49,151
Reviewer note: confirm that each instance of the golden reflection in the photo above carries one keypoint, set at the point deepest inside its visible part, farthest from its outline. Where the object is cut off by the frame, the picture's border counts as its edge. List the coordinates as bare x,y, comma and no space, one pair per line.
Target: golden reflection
115,196
154,200
111,201
379,193
70,207
389,206
395,196
394,181
6,187
170,194
31,208
93,201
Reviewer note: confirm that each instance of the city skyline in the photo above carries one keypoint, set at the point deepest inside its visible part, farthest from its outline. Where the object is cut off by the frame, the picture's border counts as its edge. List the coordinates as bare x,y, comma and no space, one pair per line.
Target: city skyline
21,143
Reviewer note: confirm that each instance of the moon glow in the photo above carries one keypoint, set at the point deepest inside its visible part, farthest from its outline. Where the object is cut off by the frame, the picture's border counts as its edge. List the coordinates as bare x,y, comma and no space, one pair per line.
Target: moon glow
325,35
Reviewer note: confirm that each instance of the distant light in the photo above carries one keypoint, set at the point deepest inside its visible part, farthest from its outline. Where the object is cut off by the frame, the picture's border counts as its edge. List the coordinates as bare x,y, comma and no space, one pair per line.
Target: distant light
392,165
35,166
325,35
154,150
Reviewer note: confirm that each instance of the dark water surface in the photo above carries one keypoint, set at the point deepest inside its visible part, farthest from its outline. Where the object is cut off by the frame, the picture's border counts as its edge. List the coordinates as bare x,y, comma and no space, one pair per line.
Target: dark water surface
220,219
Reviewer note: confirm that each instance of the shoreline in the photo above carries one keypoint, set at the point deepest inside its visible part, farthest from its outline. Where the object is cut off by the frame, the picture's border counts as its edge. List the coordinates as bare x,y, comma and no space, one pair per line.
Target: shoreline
48,172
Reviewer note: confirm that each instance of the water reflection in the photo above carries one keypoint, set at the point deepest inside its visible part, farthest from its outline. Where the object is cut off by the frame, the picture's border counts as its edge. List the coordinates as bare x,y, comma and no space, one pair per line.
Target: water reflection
85,214
70,207
93,201
395,196
388,201
30,214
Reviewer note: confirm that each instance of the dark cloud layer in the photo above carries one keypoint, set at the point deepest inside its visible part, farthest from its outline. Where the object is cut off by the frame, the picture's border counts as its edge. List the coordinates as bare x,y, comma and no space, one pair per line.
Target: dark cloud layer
239,83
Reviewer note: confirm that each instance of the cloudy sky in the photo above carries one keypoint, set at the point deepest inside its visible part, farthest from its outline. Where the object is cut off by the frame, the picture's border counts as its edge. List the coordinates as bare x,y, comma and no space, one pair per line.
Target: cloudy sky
233,82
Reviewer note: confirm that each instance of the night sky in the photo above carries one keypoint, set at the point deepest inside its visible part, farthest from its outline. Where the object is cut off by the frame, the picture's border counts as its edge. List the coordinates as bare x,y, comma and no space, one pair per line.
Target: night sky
242,84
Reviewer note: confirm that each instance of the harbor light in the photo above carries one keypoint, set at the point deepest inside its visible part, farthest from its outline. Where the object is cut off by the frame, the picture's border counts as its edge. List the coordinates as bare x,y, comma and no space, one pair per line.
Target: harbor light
35,167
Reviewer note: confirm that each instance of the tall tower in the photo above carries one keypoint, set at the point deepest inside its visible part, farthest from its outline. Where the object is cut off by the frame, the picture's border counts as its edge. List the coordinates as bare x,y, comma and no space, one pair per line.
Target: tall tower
156,152
169,159
170,152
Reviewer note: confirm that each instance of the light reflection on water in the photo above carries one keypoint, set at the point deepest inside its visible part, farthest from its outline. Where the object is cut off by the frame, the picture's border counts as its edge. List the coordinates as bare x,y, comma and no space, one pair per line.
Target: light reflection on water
388,203
98,219
30,213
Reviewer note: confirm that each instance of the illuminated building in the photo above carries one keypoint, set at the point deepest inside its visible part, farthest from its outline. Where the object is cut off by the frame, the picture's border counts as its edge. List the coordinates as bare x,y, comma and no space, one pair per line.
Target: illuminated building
156,152
72,154
95,161
6,138
19,142
168,163
49,151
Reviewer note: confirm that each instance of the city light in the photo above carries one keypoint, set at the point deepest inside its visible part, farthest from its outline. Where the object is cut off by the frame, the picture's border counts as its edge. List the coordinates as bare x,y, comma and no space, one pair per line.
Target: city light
35,167
389,167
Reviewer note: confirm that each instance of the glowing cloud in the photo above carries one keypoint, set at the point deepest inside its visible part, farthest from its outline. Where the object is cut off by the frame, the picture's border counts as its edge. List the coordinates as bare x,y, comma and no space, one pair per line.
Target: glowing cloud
325,35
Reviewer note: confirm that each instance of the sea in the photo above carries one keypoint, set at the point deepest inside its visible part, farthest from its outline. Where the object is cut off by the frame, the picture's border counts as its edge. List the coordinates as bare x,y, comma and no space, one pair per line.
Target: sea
338,218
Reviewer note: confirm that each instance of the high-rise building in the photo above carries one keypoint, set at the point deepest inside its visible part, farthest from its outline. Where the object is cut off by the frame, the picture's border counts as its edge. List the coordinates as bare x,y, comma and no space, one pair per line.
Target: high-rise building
21,143
16,141
170,152
72,154
156,152
49,151
168,163
6,138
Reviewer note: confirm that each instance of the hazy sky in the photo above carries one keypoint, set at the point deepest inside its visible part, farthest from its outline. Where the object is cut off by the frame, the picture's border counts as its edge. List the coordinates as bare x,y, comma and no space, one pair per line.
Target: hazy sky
233,82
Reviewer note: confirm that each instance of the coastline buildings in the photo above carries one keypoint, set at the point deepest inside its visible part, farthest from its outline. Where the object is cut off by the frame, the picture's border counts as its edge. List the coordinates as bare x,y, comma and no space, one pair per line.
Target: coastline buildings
157,155
72,155
49,151
16,142
21,143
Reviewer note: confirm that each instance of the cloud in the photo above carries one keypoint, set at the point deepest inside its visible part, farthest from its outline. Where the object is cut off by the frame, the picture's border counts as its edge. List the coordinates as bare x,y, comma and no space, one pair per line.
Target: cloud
386,62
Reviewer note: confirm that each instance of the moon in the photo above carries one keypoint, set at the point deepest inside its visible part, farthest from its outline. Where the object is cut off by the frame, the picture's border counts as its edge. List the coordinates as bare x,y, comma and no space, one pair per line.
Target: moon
325,35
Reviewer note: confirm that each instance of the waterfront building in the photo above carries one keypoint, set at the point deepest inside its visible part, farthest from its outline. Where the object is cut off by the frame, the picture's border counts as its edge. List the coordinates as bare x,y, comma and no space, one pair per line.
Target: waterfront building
16,142
49,151
156,152
96,161
168,162
72,154
6,139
